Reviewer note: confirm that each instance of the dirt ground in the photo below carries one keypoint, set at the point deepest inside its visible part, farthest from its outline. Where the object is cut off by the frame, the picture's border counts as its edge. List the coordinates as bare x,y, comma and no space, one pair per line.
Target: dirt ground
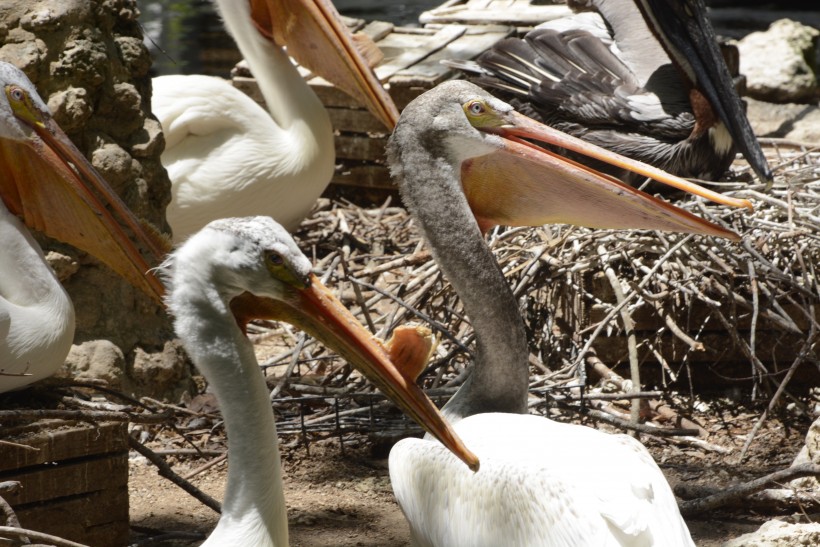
343,498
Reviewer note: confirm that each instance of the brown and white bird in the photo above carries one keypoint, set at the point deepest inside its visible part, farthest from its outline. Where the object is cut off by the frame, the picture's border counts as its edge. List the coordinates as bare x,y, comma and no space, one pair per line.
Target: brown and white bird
643,78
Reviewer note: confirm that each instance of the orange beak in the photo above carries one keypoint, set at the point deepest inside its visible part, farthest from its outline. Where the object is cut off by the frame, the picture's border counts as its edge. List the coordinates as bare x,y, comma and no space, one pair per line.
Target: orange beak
315,310
317,38
523,184
47,182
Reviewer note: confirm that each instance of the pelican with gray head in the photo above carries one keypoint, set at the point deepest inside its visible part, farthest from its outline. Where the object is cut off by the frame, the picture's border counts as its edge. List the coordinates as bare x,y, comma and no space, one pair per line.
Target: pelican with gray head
462,167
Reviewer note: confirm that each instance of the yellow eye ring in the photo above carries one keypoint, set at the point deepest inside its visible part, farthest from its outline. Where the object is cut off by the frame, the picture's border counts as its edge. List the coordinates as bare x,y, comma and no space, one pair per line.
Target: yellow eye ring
475,108
16,94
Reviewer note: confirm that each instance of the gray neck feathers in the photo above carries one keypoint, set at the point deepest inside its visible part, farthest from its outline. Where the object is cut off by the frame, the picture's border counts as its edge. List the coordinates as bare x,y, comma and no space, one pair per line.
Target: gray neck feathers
432,192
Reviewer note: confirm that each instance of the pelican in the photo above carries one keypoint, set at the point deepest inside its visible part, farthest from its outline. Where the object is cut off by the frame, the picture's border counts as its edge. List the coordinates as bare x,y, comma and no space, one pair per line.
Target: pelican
257,257
462,167
643,78
47,182
225,155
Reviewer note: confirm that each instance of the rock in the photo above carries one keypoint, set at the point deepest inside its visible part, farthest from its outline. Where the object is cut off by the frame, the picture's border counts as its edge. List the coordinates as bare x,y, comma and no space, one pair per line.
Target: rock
776,533
95,360
799,122
810,453
780,64
70,108
63,265
162,375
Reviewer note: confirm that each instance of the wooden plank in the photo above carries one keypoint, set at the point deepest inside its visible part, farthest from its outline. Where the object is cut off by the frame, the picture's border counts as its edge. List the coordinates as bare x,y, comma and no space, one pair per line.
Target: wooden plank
360,147
430,72
248,86
406,92
411,54
99,519
353,24
478,12
355,120
376,30
63,479
402,48
369,175
50,445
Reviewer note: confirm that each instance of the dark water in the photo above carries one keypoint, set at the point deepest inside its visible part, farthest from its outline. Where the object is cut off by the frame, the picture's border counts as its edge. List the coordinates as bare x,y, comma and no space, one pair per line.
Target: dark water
187,37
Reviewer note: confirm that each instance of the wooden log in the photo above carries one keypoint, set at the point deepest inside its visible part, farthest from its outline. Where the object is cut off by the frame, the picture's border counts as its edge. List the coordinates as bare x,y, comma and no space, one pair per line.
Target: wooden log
74,480
54,445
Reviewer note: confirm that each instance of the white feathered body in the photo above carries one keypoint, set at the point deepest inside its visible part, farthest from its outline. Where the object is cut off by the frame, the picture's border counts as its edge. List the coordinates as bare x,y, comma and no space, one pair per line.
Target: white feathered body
36,313
541,484
226,156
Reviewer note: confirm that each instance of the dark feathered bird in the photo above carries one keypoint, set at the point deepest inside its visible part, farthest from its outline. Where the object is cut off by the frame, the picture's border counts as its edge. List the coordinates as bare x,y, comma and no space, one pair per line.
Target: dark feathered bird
644,78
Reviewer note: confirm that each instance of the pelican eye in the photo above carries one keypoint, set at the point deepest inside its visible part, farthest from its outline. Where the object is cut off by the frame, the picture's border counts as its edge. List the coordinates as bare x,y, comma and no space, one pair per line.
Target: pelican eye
475,107
282,271
275,259
481,115
21,105
16,94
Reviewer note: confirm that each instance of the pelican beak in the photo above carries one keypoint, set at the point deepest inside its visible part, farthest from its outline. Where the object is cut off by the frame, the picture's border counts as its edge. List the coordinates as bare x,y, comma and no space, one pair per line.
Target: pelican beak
522,184
314,309
47,182
317,38
684,31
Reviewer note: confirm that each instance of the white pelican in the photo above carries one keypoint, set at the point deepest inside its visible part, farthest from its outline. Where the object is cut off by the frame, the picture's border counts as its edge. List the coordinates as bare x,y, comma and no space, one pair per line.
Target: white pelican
462,167
215,266
643,78
45,180
225,155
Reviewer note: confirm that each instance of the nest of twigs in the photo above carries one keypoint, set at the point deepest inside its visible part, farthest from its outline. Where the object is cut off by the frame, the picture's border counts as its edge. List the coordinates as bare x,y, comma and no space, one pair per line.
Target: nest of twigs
681,309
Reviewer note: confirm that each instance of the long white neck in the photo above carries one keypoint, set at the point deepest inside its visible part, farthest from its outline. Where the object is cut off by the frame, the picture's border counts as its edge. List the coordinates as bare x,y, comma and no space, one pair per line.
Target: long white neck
253,512
291,102
41,326
498,382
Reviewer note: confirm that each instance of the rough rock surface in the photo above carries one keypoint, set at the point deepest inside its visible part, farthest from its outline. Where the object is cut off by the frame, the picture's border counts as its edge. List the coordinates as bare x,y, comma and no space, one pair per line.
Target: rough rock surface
780,64
809,454
776,533
89,64
799,122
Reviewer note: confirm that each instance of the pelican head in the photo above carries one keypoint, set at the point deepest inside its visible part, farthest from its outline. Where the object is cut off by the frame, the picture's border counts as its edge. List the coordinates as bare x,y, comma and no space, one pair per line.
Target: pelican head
512,181
259,272
47,182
